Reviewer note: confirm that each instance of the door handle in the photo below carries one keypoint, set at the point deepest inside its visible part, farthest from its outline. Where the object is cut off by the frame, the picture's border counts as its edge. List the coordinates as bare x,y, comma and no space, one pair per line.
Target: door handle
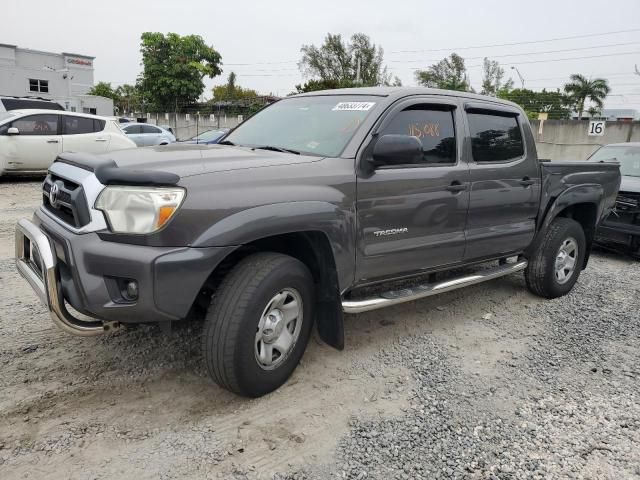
456,187
101,139
52,141
526,181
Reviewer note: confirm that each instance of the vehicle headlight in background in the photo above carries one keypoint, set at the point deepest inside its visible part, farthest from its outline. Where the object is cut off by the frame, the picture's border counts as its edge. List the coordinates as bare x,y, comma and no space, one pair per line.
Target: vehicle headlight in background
139,209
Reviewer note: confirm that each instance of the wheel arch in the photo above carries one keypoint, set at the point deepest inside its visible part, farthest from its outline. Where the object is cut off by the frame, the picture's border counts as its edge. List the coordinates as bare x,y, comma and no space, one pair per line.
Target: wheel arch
582,203
314,249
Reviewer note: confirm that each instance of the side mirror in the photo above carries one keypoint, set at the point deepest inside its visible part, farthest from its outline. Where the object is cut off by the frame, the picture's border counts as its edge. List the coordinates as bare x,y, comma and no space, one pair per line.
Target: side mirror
13,131
397,150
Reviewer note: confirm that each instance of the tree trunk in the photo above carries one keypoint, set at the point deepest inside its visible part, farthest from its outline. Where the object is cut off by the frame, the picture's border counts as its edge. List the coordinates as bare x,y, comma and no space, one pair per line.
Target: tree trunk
580,109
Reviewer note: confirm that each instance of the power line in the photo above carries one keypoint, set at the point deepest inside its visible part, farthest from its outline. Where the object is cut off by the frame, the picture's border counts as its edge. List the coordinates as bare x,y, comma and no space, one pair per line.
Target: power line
282,62
557,39
523,54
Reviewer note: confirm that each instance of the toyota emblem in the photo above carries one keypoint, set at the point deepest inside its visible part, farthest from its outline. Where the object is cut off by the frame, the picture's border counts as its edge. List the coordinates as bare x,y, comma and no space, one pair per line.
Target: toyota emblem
53,195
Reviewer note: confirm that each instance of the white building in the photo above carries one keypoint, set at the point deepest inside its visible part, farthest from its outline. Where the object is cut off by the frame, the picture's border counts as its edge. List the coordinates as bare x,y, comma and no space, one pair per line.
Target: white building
63,77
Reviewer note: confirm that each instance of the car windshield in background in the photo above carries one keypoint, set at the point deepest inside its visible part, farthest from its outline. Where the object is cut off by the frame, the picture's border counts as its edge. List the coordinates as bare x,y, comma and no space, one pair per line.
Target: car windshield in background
318,125
209,136
628,157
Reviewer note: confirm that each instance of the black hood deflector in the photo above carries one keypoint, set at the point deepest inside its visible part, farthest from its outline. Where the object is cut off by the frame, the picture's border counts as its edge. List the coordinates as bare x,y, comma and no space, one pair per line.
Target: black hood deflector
108,173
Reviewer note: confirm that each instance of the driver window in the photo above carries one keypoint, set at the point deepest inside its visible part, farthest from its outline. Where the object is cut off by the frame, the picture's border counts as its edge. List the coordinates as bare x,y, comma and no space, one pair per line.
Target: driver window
37,125
434,127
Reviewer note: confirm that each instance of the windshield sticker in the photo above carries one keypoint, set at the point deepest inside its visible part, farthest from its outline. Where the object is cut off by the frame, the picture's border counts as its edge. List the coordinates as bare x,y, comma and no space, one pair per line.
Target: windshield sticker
313,145
354,106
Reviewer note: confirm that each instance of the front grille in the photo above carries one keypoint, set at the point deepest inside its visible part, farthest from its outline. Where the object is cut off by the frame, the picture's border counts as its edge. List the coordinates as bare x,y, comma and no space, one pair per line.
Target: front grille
626,210
67,202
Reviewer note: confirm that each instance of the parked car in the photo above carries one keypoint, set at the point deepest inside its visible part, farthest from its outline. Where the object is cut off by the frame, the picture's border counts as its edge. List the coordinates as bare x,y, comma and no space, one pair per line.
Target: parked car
621,229
315,206
30,140
208,137
8,104
168,128
145,134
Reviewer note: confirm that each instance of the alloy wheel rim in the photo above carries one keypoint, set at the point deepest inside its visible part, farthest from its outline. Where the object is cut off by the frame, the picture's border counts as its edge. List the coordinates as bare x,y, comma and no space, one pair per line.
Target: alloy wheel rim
278,329
566,258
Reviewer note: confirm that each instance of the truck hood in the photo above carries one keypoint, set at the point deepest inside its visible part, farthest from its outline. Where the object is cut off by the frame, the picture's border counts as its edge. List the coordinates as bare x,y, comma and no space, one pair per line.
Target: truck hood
186,160
167,164
630,184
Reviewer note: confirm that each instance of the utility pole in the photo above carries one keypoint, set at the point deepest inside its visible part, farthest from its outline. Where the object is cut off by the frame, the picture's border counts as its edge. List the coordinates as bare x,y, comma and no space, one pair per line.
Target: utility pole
358,70
519,75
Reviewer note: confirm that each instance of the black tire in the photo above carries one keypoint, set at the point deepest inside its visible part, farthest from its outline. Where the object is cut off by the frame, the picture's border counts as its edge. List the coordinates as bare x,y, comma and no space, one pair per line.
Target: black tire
540,274
231,324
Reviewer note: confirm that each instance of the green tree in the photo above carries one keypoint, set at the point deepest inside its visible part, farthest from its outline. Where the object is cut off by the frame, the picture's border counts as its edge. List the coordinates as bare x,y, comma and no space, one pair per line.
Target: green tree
315,85
492,76
128,98
232,91
336,61
580,89
594,111
449,73
174,68
554,103
104,89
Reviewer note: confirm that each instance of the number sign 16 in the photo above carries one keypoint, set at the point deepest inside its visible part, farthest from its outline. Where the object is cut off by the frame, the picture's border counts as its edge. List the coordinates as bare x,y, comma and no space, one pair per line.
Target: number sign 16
596,128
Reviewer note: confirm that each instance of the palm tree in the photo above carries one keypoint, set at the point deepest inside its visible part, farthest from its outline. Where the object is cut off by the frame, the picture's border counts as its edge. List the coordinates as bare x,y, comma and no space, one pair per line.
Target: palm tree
581,88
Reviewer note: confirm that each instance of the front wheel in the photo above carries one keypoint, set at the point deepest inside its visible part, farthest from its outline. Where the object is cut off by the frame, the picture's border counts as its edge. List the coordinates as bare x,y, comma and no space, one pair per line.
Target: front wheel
258,324
555,266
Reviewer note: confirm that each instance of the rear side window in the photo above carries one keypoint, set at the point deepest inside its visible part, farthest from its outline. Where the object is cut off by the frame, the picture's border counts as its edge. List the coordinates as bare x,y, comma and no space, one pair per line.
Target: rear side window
495,138
37,125
150,129
79,125
133,129
22,103
434,127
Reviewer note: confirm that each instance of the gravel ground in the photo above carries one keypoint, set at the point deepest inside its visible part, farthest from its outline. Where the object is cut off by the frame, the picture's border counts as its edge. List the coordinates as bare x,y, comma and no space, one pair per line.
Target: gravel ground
485,382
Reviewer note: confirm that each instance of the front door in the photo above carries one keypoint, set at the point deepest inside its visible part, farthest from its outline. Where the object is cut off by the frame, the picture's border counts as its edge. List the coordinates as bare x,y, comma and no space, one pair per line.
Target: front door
412,218
505,182
36,145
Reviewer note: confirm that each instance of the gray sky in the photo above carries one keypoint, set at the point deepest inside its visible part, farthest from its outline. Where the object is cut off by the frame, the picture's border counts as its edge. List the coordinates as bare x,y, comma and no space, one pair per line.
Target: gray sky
266,36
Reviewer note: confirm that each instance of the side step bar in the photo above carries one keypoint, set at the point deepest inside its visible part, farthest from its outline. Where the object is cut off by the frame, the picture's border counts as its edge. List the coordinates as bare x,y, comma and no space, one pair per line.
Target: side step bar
395,297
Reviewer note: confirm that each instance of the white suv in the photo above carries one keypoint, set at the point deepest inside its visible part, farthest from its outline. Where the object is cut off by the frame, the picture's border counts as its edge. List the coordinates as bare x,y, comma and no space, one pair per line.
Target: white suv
30,140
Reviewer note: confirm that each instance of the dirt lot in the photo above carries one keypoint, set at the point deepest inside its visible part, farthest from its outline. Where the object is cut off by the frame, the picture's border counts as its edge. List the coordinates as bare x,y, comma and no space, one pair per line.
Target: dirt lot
486,382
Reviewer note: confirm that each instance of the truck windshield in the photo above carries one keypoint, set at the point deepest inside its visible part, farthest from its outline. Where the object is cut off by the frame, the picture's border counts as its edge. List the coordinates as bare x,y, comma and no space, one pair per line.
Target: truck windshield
628,157
318,125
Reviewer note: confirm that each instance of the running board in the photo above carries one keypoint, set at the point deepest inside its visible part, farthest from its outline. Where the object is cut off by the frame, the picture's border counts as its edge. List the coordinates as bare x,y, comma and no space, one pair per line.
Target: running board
395,297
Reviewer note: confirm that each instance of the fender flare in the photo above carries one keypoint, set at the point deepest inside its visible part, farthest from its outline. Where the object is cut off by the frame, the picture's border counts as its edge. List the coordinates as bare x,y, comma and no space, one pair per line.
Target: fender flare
578,194
265,221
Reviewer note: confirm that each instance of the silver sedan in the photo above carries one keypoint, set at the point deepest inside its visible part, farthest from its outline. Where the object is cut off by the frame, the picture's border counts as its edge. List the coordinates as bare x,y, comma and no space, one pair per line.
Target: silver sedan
145,134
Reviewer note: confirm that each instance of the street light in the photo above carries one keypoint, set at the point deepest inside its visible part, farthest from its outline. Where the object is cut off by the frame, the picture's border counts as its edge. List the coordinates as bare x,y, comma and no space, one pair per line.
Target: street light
519,75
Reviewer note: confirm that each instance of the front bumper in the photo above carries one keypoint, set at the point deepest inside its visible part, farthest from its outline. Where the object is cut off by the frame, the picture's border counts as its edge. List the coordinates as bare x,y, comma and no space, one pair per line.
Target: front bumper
83,271
611,231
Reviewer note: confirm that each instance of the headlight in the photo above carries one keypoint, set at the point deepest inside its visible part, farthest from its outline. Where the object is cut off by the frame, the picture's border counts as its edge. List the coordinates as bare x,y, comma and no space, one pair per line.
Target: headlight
139,209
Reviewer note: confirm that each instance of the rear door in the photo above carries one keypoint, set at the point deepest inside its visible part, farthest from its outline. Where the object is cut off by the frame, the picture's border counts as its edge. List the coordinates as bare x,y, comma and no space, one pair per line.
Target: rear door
84,134
37,144
505,181
134,132
151,135
412,217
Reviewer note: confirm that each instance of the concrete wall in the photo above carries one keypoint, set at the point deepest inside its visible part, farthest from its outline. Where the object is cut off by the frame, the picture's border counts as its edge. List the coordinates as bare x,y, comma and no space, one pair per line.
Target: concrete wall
186,126
568,140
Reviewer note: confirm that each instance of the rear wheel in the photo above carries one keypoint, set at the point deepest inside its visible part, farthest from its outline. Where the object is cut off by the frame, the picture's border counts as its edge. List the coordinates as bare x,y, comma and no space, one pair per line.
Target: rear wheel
555,267
258,324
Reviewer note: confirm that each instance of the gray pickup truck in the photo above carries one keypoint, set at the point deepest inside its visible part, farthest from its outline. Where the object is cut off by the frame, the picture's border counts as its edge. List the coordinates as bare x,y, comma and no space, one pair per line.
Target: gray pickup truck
321,204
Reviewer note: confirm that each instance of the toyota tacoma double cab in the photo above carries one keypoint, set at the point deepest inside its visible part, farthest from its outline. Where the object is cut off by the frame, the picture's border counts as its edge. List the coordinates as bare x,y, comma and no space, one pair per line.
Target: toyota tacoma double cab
320,204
